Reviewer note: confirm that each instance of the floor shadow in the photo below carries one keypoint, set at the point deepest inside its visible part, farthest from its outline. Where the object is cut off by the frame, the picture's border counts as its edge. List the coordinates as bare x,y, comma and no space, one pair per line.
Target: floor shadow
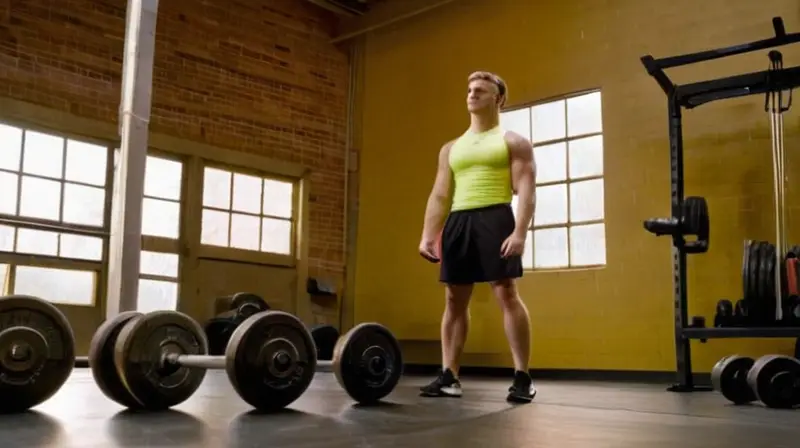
30,428
132,428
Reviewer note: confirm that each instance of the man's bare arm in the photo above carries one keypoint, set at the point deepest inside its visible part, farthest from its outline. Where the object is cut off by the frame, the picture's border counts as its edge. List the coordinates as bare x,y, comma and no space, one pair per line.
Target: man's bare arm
441,196
523,179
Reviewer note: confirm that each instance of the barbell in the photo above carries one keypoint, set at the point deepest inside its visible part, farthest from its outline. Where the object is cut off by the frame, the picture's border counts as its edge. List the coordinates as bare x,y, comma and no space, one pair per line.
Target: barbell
157,360
160,359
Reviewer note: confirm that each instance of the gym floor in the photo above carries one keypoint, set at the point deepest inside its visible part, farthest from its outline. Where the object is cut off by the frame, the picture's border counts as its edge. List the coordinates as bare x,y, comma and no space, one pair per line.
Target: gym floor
565,414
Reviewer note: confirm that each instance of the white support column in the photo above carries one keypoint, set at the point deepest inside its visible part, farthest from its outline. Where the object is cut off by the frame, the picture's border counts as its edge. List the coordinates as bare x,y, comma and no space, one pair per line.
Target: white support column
126,216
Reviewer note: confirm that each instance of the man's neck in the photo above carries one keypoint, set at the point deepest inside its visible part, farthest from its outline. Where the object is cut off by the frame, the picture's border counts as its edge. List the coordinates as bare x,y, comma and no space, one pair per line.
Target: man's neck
483,122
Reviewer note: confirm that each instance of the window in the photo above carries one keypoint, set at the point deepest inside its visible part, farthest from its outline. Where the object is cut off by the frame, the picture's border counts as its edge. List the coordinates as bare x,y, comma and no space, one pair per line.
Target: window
161,206
46,177
158,281
568,228
53,211
248,212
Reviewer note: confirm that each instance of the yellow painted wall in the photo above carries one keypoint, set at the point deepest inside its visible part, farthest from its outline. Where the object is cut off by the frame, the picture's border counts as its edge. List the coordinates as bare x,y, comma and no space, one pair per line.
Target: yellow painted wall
619,317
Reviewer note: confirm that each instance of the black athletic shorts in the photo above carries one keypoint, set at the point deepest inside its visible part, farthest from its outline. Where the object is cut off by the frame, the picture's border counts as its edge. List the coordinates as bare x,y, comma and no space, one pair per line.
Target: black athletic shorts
471,244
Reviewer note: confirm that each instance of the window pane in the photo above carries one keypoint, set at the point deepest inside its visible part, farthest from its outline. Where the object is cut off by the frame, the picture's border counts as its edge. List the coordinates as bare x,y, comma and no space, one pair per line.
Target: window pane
38,242
527,252
244,231
587,245
551,163
86,163
214,228
549,121
8,198
278,196
518,121
84,205
159,263
247,194
157,295
10,147
44,154
162,178
3,278
584,114
161,218
551,205
586,200
40,198
586,157
276,236
217,188
7,238
550,248
65,286
81,247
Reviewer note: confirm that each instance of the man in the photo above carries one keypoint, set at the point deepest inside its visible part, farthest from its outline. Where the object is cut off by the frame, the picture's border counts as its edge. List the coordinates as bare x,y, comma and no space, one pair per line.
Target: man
481,241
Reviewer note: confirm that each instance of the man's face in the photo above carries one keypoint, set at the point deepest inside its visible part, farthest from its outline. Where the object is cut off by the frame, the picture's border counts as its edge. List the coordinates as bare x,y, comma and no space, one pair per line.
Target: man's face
481,95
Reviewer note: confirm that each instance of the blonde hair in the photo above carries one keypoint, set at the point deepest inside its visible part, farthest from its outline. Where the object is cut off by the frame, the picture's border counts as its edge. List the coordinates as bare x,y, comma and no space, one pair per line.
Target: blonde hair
494,79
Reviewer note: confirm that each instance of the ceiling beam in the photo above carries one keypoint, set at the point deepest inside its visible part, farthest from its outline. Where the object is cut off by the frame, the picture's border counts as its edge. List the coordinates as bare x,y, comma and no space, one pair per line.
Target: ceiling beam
383,14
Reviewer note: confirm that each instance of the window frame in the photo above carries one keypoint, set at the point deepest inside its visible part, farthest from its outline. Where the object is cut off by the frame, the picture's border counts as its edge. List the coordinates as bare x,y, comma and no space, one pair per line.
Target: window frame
247,255
14,259
568,181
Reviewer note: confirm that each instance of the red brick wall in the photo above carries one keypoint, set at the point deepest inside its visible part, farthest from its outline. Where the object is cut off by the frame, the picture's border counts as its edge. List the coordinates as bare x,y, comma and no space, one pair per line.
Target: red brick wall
258,76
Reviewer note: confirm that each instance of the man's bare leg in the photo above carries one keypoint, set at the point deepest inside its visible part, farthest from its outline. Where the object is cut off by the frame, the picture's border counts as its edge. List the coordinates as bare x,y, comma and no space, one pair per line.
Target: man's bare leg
516,322
454,329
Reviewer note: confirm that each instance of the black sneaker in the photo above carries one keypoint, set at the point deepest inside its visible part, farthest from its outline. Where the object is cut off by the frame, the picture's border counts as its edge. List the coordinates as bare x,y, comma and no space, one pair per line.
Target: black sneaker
523,390
445,385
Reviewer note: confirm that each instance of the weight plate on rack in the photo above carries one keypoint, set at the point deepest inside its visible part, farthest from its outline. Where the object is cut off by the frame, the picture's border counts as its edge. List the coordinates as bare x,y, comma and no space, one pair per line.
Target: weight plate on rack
367,362
755,251
774,379
101,360
270,360
729,377
766,280
37,352
139,353
746,268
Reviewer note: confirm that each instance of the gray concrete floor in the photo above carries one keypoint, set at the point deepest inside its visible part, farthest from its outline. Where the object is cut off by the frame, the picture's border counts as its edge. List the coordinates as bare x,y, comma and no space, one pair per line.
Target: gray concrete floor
564,415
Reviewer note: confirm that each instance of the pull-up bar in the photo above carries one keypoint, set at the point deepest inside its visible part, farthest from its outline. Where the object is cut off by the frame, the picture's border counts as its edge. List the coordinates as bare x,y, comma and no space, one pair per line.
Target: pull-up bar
696,94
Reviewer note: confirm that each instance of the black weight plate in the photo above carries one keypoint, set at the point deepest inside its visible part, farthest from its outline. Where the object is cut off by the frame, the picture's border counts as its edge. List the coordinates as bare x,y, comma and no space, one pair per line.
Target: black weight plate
755,251
101,360
769,263
696,219
139,353
325,337
729,377
37,352
270,360
773,378
367,362
218,332
246,298
765,303
746,268
724,314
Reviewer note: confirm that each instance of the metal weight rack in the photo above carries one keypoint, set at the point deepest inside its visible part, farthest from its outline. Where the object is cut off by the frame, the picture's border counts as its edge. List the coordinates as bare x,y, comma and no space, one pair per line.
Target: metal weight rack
689,96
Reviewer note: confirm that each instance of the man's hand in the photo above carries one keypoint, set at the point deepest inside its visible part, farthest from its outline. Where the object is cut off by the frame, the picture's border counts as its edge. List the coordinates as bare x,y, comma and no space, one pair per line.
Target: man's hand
429,249
513,245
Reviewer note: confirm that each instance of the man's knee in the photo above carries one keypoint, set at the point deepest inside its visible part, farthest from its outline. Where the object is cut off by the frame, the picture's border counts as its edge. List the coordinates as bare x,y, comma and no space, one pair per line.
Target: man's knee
505,291
457,297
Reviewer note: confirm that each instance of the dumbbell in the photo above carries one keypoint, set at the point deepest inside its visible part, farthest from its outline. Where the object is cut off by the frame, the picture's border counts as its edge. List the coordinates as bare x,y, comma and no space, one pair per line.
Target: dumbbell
37,352
158,360
774,380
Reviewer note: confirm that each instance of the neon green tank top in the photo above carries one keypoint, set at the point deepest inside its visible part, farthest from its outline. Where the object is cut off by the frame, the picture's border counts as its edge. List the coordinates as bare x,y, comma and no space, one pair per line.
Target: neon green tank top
481,170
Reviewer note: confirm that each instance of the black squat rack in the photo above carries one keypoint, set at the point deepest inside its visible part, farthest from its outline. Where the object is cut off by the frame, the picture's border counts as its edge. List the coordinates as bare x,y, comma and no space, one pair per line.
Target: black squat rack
690,215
